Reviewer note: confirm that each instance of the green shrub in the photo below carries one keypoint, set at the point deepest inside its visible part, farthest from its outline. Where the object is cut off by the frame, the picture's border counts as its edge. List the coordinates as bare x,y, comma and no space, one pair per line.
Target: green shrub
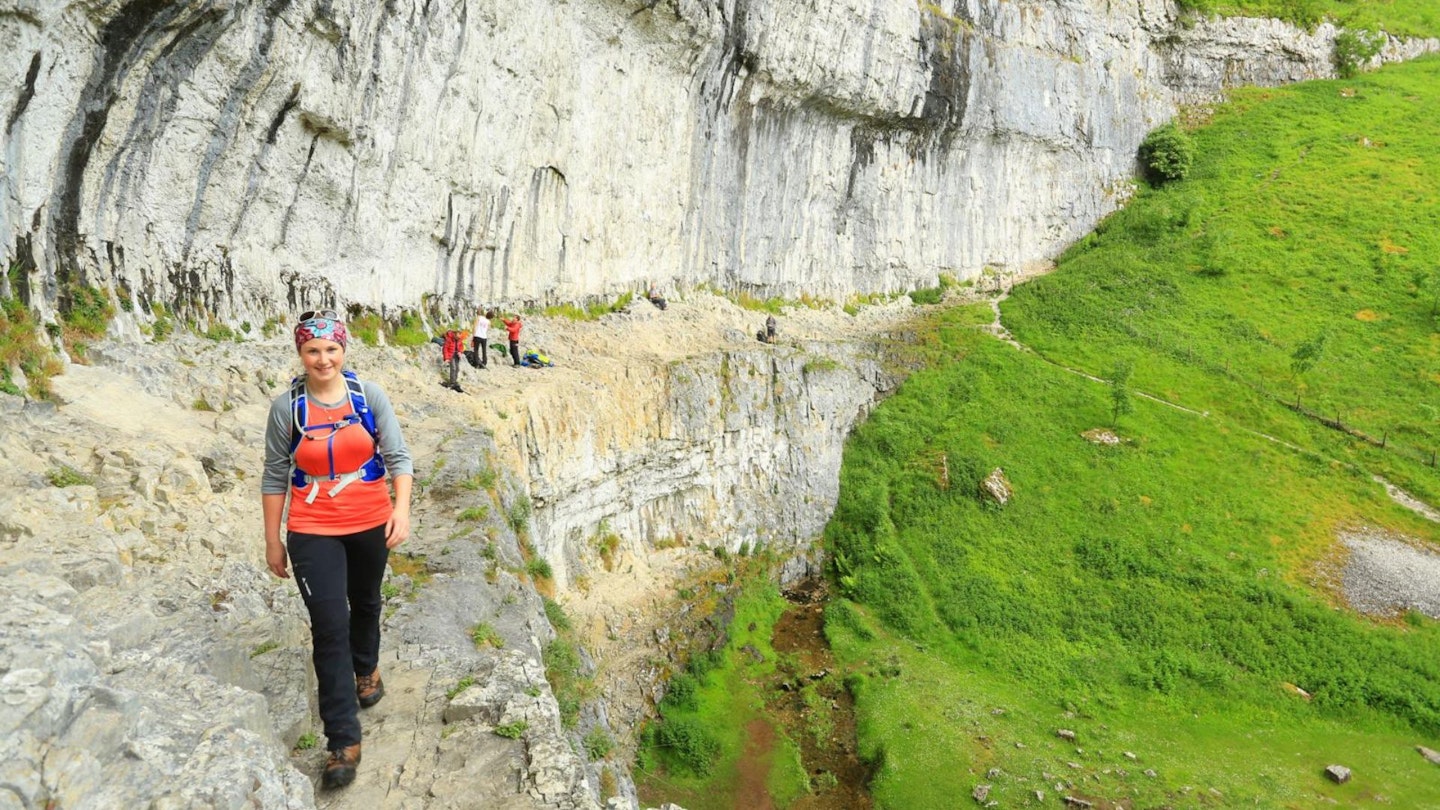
460,686
164,325
23,347
88,312
564,671
607,543
307,741
85,314
411,330
67,476
680,693
518,515
483,479
367,327
1167,154
512,731
221,332
555,614
485,635
474,513
588,312
539,568
598,743
1353,49
689,743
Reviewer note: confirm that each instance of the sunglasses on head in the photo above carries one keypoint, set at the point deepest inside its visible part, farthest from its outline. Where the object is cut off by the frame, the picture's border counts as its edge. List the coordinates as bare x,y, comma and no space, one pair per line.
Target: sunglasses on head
320,313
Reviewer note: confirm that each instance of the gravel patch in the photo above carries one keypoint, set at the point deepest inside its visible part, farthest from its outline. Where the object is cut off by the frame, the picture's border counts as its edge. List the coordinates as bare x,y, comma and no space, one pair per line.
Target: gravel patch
1386,576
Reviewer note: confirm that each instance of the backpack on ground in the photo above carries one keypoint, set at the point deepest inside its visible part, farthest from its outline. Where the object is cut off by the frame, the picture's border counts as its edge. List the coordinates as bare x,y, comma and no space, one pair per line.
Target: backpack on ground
535,359
360,413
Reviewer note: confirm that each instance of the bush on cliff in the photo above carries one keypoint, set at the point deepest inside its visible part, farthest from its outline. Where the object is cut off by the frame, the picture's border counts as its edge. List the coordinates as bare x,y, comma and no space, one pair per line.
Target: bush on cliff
1167,154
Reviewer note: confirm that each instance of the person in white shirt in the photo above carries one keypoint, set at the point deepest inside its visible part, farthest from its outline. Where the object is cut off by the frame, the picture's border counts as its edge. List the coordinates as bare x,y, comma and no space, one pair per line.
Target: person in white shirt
480,335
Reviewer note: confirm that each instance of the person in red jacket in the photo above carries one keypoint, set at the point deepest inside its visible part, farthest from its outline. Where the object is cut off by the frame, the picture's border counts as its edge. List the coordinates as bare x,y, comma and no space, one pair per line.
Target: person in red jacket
512,328
451,347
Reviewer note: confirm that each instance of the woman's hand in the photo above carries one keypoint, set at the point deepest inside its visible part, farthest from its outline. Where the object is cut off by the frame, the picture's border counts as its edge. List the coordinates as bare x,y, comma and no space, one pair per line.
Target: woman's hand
276,558
397,528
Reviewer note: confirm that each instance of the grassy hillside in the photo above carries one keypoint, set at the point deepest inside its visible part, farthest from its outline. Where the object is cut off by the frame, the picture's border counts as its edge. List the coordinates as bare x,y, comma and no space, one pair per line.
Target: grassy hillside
1173,600
1166,595
1400,17
1311,212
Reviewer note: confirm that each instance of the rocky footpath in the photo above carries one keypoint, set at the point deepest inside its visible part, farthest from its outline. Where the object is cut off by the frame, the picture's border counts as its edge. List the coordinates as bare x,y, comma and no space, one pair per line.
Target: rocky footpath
147,658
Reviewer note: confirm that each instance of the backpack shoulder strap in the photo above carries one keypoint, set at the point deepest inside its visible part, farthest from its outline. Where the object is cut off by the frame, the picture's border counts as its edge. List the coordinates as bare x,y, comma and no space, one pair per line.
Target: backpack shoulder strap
374,469
297,411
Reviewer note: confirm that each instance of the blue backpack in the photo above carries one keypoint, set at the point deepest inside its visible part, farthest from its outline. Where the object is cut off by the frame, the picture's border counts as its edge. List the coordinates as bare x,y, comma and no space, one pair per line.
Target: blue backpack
360,413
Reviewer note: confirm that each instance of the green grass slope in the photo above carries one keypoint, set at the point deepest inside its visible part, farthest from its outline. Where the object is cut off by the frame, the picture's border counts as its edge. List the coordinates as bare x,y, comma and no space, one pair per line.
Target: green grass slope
1410,18
1164,597
1311,211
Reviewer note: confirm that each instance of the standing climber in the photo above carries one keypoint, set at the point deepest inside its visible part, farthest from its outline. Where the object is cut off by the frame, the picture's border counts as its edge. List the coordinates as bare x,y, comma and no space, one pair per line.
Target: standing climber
452,346
767,335
512,329
481,335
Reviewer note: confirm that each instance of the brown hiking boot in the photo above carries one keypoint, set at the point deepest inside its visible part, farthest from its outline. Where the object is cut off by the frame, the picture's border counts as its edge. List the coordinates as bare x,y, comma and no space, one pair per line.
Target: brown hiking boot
340,768
369,689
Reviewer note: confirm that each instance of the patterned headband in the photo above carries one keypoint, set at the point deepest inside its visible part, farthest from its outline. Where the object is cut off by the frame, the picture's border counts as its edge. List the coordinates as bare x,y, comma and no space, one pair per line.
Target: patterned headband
325,328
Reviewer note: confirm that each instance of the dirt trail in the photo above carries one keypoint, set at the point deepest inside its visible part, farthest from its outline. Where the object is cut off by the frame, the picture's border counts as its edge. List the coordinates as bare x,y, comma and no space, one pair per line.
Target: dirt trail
392,728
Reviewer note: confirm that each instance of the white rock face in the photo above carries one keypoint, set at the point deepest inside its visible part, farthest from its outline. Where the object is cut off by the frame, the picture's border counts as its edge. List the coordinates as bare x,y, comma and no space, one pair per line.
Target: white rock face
235,158
738,448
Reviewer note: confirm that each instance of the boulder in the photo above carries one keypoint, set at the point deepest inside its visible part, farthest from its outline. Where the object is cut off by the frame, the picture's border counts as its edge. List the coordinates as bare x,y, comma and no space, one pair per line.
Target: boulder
996,487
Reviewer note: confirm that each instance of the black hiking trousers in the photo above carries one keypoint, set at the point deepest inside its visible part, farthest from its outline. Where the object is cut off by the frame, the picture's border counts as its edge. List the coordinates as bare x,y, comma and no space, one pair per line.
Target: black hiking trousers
515,351
482,350
339,579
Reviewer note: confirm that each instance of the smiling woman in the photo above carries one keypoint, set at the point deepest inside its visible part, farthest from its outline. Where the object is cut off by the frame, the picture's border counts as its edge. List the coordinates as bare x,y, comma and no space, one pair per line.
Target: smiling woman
334,435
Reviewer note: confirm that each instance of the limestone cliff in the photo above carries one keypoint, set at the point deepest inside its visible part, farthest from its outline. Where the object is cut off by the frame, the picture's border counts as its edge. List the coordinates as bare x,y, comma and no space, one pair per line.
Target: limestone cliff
234,158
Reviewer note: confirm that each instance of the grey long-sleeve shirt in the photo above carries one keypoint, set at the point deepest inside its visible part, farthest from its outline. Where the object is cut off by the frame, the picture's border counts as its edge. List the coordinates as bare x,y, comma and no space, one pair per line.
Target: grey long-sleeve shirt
276,480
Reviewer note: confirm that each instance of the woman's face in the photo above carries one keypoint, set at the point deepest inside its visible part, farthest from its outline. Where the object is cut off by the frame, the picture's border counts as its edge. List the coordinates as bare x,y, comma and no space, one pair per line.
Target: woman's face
323,359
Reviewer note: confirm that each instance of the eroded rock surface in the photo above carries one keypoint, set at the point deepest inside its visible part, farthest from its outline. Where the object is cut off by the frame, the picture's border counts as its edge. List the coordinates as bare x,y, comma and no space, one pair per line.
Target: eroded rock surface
233,159
147,657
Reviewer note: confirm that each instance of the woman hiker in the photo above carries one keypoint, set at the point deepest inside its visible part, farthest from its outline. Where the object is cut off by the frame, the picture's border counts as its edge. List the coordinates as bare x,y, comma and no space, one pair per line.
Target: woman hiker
329,442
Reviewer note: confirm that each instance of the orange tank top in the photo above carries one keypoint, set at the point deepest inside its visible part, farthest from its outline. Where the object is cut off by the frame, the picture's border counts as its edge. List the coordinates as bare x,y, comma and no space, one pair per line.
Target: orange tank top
360,505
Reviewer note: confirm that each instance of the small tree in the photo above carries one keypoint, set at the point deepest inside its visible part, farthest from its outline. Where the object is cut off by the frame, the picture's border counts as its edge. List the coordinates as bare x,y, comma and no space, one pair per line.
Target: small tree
1355,48
1167,154
1120,403
1306,356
